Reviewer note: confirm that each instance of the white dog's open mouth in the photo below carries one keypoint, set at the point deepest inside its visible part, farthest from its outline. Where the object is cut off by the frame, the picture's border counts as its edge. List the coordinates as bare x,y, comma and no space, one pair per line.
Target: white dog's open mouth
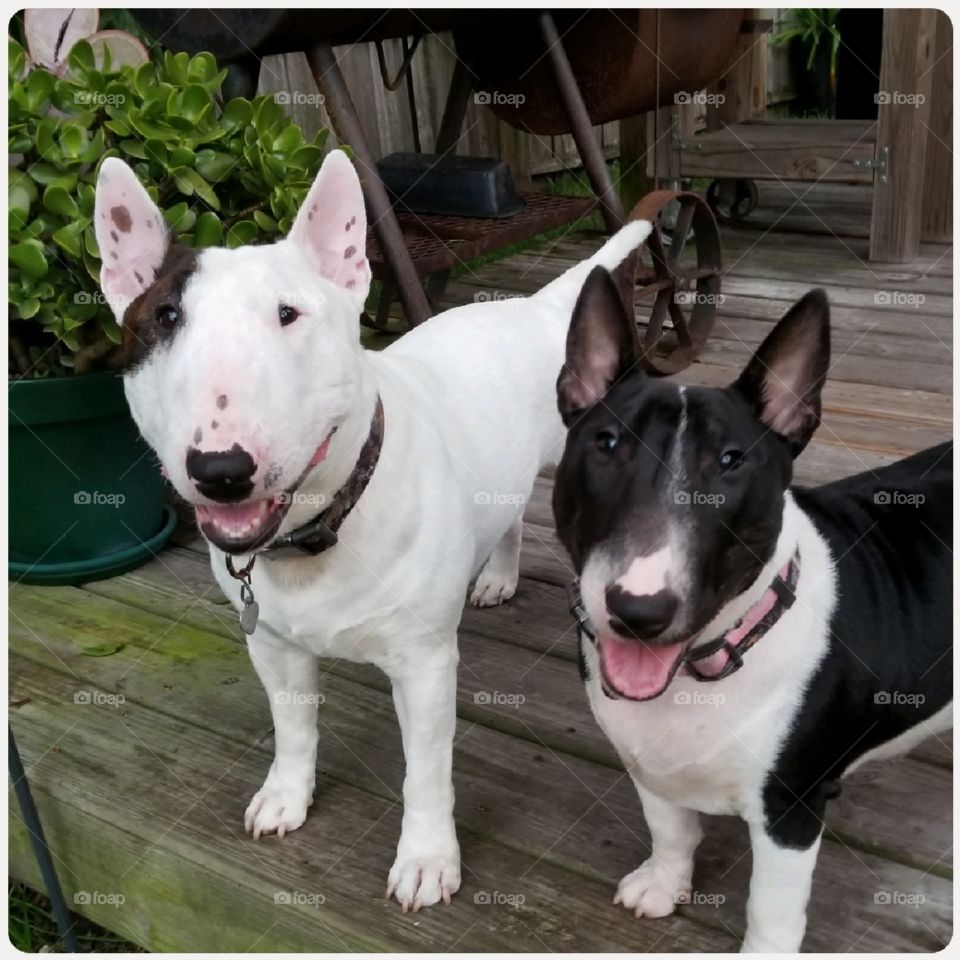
240,528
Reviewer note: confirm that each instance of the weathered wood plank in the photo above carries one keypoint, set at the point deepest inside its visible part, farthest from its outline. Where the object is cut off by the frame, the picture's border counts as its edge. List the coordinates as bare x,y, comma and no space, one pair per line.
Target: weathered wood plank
173,786
796,150
937,213
905,72
242,714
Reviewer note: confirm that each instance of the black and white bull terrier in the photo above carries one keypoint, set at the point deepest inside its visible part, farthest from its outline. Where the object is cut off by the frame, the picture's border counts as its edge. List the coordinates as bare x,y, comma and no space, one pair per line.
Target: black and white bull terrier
820,620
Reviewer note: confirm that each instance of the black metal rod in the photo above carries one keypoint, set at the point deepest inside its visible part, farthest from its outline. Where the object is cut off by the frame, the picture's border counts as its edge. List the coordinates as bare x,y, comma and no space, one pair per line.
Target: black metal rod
344,117
581,127
41,851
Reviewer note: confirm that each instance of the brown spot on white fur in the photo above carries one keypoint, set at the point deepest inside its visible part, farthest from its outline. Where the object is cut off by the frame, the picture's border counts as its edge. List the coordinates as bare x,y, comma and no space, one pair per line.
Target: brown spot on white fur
349,252
121,217
222,402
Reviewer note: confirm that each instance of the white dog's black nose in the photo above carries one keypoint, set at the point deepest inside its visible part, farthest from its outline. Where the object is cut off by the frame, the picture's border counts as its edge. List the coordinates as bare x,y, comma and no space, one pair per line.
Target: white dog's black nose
644,617
224,475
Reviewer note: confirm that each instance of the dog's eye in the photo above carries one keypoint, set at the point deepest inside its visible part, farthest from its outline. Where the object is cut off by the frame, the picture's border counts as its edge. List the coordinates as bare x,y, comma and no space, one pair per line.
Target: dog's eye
287,315
167,316
607,440
731,459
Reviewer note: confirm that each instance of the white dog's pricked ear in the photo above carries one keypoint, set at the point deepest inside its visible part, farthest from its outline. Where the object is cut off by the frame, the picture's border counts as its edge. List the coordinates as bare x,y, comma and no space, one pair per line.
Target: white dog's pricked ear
331,227
131,233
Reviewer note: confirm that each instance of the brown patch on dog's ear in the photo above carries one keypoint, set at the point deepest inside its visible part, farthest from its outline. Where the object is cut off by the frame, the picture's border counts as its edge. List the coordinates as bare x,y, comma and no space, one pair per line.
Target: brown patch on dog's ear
131,234
331,226
784,379
143,330
601,345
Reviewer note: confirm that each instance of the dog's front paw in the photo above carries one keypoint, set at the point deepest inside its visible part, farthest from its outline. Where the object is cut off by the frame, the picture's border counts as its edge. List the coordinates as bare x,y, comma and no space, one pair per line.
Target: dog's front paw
277,808
492,588
653,890
421,881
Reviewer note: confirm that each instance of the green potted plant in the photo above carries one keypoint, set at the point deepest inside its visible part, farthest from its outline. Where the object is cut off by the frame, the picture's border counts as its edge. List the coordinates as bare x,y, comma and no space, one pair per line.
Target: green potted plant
86,497
813,34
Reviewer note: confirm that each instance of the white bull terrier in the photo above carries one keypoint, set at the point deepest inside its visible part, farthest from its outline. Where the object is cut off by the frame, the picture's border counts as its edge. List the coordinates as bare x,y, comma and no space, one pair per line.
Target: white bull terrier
246,375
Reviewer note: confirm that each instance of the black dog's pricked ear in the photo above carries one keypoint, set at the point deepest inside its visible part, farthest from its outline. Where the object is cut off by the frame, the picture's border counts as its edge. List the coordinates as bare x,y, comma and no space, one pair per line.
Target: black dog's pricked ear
601,345
784,379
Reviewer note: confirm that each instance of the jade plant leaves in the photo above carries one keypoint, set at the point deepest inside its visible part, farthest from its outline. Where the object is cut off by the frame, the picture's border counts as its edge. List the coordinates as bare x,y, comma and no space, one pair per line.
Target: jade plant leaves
229,173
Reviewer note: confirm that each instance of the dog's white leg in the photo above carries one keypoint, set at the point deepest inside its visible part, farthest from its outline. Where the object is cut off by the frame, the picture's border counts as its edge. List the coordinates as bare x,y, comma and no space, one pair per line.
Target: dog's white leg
289,675
779,891
665,879
498,579
427,867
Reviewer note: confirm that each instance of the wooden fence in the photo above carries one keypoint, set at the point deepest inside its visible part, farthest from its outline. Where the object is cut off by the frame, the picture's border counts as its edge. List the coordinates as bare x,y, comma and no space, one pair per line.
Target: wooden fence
388,123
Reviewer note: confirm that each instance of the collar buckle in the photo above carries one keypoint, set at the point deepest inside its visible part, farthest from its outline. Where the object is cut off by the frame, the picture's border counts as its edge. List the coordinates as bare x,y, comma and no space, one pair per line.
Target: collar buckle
307,541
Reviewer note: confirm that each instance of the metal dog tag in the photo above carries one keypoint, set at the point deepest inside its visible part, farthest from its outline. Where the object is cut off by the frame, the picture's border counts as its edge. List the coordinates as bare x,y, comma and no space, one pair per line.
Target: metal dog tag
250,613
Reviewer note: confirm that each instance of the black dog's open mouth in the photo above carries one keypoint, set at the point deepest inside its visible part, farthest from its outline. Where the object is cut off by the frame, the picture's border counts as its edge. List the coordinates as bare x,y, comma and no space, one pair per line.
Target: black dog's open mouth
637,670
240,528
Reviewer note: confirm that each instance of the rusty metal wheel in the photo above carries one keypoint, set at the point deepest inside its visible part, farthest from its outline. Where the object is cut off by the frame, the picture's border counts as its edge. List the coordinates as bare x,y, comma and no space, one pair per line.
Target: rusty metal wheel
676,284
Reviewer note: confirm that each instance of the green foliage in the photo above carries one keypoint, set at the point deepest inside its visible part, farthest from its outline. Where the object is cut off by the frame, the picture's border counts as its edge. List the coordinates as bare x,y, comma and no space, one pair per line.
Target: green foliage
232,173
813,27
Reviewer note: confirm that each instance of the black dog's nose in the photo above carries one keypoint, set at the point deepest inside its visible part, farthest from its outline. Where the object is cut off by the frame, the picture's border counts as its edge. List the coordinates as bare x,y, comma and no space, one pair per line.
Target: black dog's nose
644,617
223,475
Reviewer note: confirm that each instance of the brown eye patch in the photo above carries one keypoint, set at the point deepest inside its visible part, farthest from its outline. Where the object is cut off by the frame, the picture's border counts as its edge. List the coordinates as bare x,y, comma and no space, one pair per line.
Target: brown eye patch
156,315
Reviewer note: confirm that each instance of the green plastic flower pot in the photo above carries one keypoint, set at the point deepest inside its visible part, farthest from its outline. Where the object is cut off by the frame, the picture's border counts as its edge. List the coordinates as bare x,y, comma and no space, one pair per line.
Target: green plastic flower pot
86,495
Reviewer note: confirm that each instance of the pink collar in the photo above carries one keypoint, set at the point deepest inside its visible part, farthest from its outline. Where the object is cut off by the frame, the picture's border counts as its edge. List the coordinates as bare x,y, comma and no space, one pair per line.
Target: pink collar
723,656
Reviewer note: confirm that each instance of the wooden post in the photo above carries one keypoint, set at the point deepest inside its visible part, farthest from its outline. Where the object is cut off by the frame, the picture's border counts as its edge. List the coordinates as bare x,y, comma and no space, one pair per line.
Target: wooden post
903,117
937,216
635,182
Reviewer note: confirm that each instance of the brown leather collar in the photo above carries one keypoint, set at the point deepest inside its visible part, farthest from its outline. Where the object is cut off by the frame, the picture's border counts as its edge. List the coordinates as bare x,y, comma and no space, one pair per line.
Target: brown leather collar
320,533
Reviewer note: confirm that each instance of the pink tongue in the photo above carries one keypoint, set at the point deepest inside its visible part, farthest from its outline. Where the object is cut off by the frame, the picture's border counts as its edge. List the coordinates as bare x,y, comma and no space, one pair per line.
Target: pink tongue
234,514
635,669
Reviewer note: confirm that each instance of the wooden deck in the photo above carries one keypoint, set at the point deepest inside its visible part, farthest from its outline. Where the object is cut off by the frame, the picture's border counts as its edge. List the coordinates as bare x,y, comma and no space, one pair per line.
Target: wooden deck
143,798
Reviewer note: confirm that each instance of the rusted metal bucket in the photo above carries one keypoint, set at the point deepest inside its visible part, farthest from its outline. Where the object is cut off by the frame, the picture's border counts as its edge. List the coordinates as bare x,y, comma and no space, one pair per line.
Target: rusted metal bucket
625,61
